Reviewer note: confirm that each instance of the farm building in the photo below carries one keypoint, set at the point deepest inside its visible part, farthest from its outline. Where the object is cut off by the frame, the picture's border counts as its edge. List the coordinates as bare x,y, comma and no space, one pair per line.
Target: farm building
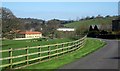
65,32
103,26
116,25
29,34
66,29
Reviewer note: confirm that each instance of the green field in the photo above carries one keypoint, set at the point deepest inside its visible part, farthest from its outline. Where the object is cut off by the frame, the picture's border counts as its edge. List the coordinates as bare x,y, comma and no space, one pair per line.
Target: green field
6,44
97,21
23,43
90,46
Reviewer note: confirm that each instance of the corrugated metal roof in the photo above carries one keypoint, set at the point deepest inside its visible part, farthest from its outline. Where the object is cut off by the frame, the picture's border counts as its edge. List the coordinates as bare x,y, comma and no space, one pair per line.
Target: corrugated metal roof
30,32
66,29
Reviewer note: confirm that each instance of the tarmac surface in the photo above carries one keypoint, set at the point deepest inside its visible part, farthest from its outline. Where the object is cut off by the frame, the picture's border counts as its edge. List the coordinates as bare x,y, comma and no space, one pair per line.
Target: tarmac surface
104,58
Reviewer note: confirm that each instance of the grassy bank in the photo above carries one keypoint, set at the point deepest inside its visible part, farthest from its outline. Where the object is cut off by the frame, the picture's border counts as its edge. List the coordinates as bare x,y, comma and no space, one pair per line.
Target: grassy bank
90,46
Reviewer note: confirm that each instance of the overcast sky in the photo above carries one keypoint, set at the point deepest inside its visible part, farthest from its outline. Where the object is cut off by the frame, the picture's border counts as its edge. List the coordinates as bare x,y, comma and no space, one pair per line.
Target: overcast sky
61,10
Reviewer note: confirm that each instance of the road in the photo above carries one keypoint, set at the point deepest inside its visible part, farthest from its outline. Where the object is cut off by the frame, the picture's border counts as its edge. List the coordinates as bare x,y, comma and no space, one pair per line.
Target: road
104,58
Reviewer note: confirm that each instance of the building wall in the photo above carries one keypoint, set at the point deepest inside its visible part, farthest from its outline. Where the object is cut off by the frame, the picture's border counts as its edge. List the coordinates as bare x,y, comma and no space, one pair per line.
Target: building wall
20,36
116,25
33,35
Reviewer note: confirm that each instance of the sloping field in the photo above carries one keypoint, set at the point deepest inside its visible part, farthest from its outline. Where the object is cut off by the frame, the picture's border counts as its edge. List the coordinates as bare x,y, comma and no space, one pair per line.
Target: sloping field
97,21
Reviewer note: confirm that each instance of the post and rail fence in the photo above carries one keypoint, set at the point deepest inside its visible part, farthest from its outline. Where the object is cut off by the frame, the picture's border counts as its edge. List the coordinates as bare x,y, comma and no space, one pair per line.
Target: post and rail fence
43,53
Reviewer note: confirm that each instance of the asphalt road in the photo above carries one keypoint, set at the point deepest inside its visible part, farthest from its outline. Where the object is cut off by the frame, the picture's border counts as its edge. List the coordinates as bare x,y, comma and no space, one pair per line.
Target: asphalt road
104,58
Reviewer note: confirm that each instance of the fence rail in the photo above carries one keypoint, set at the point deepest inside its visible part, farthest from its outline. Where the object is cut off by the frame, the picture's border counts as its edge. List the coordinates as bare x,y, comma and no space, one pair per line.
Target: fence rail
50,51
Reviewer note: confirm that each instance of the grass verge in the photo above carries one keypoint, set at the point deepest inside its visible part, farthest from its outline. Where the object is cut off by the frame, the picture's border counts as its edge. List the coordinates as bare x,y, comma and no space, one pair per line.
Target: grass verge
90,46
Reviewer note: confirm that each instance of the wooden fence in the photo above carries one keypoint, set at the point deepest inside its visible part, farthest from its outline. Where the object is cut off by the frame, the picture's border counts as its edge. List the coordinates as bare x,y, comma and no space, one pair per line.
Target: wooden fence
52,51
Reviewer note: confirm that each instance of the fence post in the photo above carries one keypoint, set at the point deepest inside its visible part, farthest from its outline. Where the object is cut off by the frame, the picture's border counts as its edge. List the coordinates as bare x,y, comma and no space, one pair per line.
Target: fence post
39,54
62,48
74,45
49,52
27,58
57,50
10,60
77,46
81,42
71,46
67,48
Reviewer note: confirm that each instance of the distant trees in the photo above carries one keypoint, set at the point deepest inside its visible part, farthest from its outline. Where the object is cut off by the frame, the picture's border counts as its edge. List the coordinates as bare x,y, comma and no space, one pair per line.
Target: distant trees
66,21
10,23
93,31
93,17
6,13
107,16
96,28
103,32
96,32
99,16
9,26
82,30
91,28
52,25
87,18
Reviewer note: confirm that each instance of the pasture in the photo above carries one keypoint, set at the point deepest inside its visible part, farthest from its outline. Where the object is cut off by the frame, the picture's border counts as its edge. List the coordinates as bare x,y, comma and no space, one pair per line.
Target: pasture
6,44
84,23
15,44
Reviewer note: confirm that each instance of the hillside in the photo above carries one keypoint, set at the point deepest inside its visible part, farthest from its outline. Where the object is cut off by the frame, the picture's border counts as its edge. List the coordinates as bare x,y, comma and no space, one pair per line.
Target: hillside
7,13
10,22
96,21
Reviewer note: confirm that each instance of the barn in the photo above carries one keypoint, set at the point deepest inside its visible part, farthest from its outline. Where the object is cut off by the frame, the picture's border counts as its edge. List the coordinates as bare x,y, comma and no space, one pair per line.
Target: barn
29,35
